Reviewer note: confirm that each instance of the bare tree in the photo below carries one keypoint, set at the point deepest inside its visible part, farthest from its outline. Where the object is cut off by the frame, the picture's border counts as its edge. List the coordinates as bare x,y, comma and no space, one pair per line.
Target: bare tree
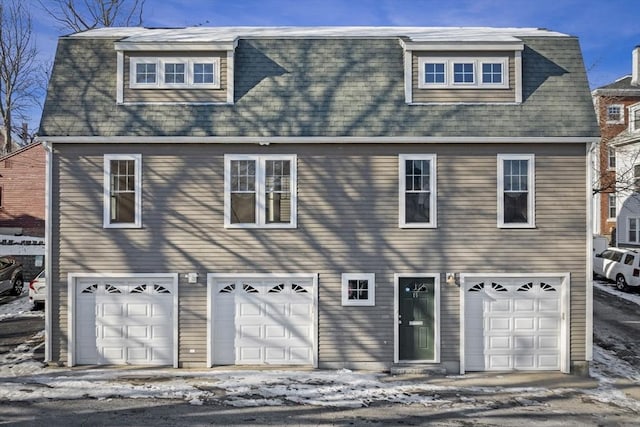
82,15
20,73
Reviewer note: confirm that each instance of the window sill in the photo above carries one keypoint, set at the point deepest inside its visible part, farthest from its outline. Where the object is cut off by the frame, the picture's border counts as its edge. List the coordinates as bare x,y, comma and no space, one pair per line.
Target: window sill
517,226
260,227
106,226
418,225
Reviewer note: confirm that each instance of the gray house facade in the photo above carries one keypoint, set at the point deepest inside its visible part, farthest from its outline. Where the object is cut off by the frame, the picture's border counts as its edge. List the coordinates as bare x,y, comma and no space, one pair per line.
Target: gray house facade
330,197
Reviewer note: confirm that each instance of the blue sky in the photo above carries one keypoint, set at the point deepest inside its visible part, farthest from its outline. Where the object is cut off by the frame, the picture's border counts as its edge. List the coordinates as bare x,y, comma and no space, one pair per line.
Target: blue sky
608,29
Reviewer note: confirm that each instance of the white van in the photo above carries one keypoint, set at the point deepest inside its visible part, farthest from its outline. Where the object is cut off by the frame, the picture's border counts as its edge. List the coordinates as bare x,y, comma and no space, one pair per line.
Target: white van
620,265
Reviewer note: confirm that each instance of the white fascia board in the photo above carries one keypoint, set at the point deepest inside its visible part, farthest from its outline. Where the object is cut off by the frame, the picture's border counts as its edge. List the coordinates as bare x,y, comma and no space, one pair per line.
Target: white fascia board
267,140
174,46
463,46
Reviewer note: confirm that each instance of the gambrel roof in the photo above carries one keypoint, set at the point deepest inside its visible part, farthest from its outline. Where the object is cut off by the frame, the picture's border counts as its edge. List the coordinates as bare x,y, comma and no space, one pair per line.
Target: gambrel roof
327,81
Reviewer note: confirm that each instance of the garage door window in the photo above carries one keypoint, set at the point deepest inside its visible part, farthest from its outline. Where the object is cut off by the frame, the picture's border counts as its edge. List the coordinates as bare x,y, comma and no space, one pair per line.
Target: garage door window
122,191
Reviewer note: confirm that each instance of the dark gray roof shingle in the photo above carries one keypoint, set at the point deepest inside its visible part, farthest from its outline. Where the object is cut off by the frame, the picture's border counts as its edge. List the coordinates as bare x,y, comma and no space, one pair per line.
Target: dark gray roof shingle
319,87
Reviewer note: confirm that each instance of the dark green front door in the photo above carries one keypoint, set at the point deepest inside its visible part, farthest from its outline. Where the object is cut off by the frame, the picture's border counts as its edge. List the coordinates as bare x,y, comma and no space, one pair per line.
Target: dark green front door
416,301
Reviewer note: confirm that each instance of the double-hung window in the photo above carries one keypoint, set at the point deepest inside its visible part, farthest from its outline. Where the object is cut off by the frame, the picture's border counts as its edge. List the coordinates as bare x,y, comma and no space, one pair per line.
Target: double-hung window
634,118
611,158
516,192
611,197
615,113
260,191
122,191
417,190
633,229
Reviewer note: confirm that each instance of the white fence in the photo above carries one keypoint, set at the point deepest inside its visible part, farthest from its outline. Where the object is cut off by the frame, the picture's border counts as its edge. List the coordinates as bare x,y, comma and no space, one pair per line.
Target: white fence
21,245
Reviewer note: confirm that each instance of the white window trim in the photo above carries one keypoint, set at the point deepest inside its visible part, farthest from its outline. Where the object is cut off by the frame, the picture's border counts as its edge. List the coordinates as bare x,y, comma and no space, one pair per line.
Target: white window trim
531,209
260,190
402,158
189,63
633,126
370,277
620,120
137,158
436,316
449,65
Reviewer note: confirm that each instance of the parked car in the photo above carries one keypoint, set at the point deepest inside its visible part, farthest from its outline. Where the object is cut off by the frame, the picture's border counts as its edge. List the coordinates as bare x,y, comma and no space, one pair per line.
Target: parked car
10,276
619,265
38,290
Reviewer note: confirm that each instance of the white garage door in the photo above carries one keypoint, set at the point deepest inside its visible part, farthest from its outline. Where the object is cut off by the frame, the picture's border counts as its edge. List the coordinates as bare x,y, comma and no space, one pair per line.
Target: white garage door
513,323
124,321
262,321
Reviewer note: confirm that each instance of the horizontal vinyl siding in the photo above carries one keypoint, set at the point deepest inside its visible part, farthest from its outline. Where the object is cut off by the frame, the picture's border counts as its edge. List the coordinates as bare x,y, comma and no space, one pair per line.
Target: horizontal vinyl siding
462,95
177,95
347,223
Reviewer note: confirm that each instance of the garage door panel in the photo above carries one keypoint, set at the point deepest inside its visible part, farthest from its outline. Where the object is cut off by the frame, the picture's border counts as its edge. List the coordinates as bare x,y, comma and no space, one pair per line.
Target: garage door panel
138,310
524,342
549,343
250,355
275,332
548,324
110,309
501,305
499,343
250,331
497,324
247,310
524,305
524,362
111,331
523,324
548,305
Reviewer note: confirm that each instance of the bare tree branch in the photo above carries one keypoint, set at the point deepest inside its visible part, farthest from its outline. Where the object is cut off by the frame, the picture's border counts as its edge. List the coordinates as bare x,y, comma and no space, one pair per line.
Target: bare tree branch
82,15
20,73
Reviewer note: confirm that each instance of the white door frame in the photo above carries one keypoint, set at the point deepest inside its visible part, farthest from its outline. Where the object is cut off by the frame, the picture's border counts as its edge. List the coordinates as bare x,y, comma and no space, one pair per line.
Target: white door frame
436,316
565,307
72,279
212,278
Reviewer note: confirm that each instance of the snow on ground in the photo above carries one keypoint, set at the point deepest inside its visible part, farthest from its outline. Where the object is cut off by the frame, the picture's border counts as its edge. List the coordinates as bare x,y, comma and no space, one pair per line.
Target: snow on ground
22,378
19,307
610,287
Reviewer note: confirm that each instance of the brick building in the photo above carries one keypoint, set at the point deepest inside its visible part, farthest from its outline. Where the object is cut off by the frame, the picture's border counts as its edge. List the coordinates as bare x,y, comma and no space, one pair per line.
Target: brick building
22,191
612,103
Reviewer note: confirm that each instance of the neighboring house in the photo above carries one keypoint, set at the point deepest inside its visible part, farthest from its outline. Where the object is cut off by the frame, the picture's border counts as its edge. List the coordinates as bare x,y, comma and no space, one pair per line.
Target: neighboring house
612,104
331,197
627,196
22,206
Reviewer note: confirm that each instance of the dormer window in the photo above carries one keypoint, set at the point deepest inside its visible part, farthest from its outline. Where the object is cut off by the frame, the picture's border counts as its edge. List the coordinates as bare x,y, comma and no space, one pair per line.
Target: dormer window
463,73
175,73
